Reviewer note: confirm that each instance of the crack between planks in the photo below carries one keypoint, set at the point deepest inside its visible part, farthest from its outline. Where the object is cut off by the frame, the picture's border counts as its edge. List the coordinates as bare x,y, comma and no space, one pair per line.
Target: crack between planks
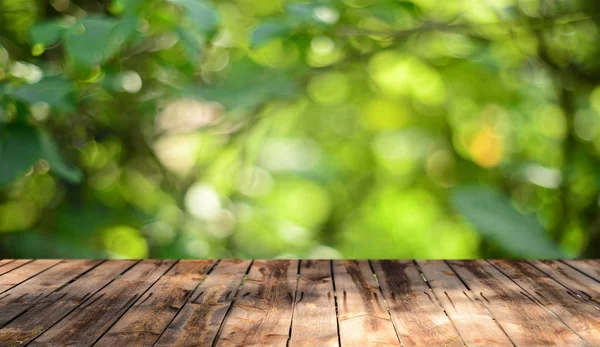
294,303
39,299
231,304
25,263
8,262
482,303
387,308
28,278
337,314
571,291
188,299
438,300
85,299
535,300
132,301
573,267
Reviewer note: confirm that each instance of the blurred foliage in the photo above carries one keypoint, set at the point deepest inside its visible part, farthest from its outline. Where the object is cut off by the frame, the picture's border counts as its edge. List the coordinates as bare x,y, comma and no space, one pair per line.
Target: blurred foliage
346,128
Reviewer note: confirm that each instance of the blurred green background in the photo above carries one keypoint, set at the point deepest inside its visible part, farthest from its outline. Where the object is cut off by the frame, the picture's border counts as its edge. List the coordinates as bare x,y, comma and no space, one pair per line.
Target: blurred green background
329,129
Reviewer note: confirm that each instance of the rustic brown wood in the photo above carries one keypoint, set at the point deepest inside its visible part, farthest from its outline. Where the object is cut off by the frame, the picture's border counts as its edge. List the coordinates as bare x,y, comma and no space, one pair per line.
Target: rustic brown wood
362,315
473,321
579,315
525,320
4,262
418,318
150,315
8,266
18,299
199,320
262,313
88,322
579,284
54,307
590,267
287,302
314,320
23,273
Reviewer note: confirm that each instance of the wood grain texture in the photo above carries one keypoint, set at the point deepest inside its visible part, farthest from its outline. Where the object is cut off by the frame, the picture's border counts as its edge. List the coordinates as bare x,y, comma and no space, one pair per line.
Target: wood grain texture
314,321
578,314
199,320
590,267
289,302
579,284
9,264
419,319
20,298
472,320
23,273
362,315
149,316
524,320
88,322
262,313
57,305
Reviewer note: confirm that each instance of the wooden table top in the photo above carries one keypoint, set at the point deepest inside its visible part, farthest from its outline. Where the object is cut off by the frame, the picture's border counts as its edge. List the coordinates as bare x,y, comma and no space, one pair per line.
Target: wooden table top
299,303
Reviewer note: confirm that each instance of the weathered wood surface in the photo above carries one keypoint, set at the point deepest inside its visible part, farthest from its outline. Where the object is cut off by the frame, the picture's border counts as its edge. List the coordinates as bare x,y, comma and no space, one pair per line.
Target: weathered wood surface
314,321
299,303
472,320
525,321
262,313
362,315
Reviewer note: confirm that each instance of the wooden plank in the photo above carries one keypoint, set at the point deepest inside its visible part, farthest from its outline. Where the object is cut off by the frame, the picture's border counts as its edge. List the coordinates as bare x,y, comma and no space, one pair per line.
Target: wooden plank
199,320
579,284
470,317
579,315
525,321
418,318
148,318
5,261
362,316
60,303
88,322
13,265
262,313
23,273
20,298
590,267
314,320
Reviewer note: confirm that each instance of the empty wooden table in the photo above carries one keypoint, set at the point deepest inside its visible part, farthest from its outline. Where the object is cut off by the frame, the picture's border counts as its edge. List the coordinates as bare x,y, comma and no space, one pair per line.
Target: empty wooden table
299,303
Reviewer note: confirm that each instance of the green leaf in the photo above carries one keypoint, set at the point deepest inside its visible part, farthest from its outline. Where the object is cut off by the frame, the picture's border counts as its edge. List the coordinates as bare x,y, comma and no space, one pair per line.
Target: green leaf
19,151
191,42
50,152
496,219
203,15
268,31
48,32
54,91
247,85
86,41
95,39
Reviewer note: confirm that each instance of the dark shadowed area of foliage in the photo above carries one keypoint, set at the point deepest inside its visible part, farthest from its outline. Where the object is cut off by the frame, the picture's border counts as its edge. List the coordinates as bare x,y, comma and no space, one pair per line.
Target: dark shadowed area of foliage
324,129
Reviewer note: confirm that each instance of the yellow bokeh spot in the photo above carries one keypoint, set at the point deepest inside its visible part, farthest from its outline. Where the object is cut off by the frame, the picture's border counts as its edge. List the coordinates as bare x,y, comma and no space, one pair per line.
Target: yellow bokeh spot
551,121
124,242
595,99
381,114
396,74
487,148
37,49
17,215
277,53
330,88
